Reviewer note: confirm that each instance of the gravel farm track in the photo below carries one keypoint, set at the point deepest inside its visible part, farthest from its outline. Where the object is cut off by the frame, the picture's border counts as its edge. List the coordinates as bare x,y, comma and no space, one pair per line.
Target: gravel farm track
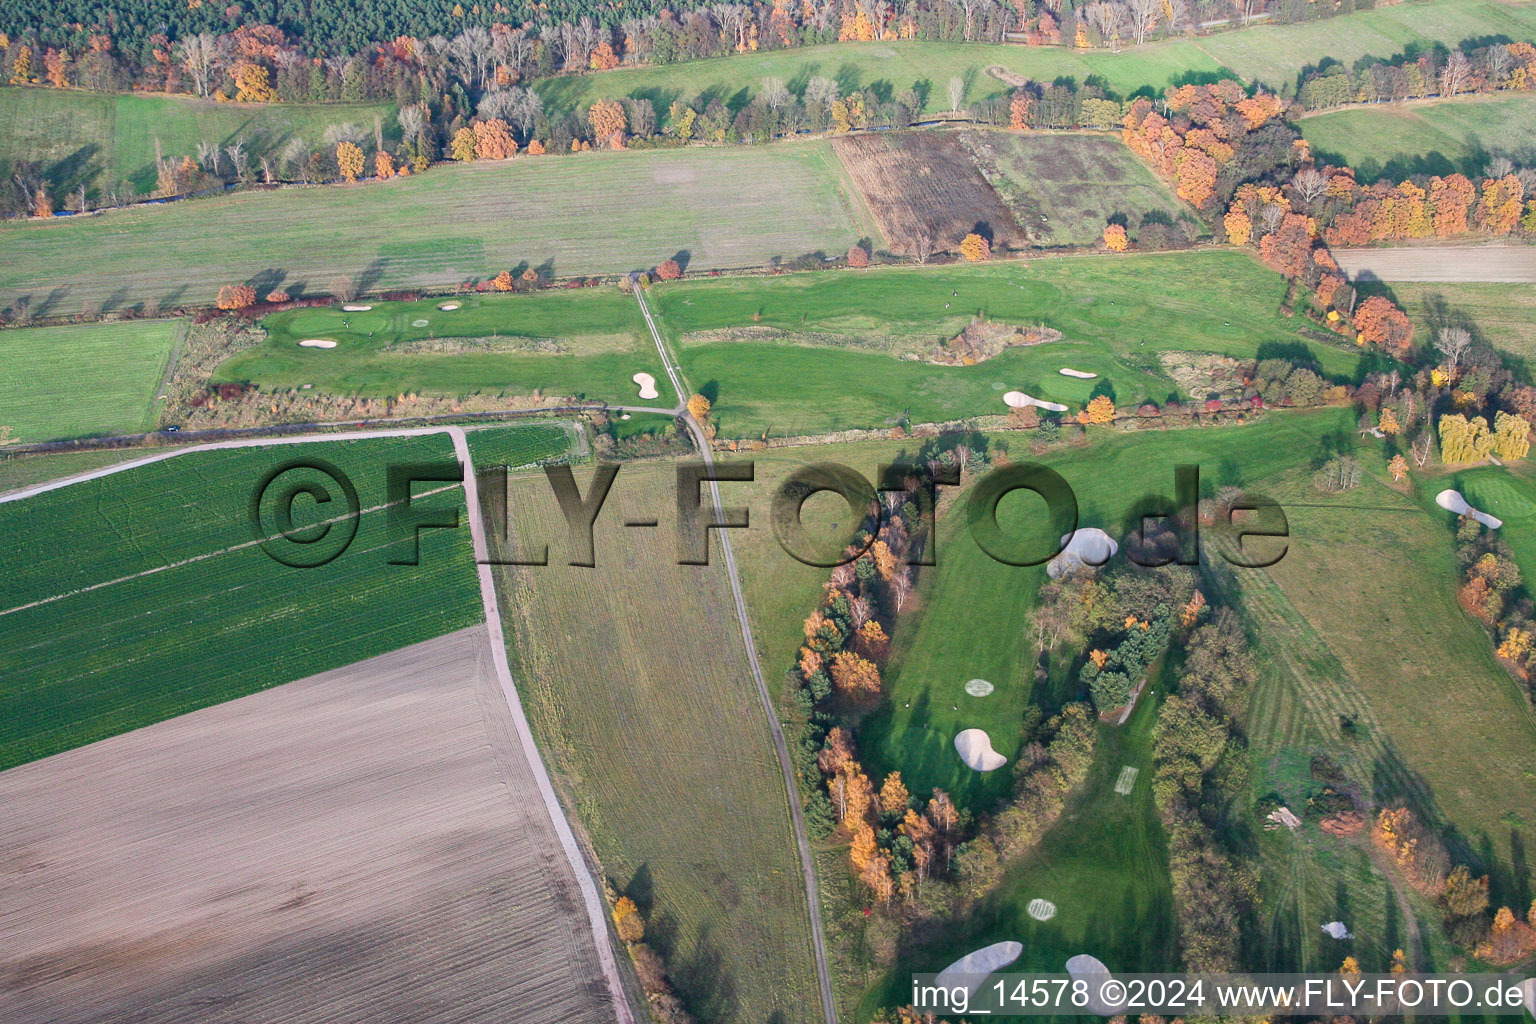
1510,264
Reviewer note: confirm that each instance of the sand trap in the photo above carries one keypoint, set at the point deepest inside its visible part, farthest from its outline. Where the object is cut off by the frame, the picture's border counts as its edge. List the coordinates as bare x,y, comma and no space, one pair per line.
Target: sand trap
1529,985
1453,501
1338,930
317,343
647,385
1080,548
418,323
1042,910
448,307
979,687
1067,371
971,970
1018,400
357,309
1092,970
975,749
1127,780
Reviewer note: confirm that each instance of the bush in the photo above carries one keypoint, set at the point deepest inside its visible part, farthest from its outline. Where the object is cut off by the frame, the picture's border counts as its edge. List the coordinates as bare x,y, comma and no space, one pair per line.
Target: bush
858,256
668,270
236,296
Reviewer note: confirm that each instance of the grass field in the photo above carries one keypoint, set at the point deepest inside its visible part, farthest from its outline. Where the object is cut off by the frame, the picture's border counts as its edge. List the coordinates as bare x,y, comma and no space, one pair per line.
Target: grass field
1397,140
140,596
1270,54
1116,314
635,679
102,140
1066,186
598,213
1501,314
586,343
83,379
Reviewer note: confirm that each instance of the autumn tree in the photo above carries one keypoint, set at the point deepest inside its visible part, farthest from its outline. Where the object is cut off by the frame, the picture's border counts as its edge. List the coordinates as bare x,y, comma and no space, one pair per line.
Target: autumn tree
236,296
855,675
253,83
42,203
668,270
858,256
893,795
608,122
627,920
502,282
1115,239
462,148
1398,467
349,161
1511,436
873,641
1099,410
383,165
1380,323
493,140
698,407
975,248
1018,110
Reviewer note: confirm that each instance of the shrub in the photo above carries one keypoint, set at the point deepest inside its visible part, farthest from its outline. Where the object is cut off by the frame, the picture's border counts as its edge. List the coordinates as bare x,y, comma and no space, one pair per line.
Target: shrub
236,296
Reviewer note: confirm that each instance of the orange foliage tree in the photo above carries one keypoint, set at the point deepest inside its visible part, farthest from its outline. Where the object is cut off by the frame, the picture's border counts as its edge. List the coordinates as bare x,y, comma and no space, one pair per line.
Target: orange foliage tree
349,161
236,296
1099,410
493,140
975,248
855,675
1380,323
858,256
383,165
608,121
668,270
1115,239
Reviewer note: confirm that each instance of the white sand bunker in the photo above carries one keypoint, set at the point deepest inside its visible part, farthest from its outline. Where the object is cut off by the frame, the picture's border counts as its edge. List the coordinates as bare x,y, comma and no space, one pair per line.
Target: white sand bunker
1042,910
1018,400
448,307
1453,501
1091,970
357,309
647,385
979,687
1127,780
418,323
317,343
1067,371
971,970
1079,548
1529,985
975,749
1338,930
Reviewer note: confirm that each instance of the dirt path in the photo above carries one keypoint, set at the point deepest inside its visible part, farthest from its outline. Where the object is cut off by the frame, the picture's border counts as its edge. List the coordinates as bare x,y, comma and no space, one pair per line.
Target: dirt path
791,786
596,914
1508,264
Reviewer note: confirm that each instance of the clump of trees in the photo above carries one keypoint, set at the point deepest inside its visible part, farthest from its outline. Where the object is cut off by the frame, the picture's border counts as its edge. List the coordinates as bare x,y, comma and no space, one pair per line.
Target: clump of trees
650,967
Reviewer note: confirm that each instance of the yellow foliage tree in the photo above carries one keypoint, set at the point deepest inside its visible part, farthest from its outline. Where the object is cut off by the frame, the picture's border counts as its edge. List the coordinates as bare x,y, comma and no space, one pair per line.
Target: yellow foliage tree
253,83
383,165
698,407
1398,467
1100,410
1115,239
349,161
975,248
893,794
462,148
1388,422
502,282
627,920
1511,436
608,121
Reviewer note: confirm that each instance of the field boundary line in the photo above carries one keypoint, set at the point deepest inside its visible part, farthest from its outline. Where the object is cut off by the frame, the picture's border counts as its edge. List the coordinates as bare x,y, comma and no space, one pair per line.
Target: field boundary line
597,917
791,786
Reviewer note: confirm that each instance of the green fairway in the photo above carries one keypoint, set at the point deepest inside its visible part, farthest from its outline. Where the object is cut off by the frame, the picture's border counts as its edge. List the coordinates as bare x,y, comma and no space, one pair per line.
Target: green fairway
585,343
101,140
594,213
141,596
1104,867
1397,140
1116,314
83,379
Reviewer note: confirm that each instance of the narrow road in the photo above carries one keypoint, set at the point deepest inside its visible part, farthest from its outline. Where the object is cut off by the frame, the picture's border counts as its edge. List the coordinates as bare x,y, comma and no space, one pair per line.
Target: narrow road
791,786
596,915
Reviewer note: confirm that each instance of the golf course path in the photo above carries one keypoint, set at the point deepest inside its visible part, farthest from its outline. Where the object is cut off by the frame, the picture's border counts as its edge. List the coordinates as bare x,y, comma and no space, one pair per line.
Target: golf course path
791,787
597,918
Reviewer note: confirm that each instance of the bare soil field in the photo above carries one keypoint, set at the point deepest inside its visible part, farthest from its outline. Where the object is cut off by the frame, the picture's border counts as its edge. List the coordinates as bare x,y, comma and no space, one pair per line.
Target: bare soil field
1511,264
365,844
925,183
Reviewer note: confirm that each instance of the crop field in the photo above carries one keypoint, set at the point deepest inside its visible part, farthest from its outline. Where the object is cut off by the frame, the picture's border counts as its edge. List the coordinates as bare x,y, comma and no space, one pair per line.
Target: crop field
1064,187
924,185
354,841
838,336
585,343
520,445
1271,54
596,213
83,379
140,596
21,471
634,677
1448,136
101,140
1502,315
